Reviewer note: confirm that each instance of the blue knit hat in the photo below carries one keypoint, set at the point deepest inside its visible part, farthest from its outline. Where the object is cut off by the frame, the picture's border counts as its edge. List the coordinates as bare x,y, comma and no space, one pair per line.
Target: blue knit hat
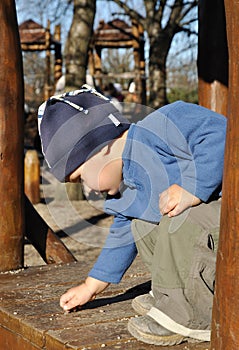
76,125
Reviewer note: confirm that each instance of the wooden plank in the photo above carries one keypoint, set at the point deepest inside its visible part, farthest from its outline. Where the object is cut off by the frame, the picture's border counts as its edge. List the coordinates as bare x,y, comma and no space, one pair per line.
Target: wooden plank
65,275
30,315
29,299
81,337
109,335
11,341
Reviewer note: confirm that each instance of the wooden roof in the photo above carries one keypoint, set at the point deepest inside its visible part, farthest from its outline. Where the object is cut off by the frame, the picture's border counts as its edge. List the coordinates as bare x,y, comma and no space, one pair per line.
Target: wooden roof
116,33
32,33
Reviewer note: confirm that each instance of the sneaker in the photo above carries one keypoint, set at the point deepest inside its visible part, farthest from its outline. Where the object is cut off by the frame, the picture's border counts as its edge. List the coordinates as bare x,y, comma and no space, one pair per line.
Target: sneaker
145,329
143,303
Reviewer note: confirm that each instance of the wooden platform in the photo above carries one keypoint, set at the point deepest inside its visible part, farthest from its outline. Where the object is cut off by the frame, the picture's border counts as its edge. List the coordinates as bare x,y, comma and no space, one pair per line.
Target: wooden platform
31,319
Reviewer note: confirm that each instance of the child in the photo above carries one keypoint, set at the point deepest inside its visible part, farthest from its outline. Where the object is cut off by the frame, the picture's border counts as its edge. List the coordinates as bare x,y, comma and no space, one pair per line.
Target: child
163,178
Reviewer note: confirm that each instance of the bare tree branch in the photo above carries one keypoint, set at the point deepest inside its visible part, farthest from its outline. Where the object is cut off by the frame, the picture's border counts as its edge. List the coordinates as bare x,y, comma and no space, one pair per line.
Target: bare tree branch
187,8
174,18
129,11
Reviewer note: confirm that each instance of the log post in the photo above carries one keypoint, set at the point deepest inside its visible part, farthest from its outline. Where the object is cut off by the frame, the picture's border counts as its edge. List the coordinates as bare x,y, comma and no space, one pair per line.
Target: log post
142,64
98,67
48,87
138,46
212,56
58,55
32,176
225,322
11,140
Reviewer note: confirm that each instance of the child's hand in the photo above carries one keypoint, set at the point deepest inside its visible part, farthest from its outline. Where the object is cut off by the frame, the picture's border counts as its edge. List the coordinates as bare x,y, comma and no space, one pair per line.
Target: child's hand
175,200
80,295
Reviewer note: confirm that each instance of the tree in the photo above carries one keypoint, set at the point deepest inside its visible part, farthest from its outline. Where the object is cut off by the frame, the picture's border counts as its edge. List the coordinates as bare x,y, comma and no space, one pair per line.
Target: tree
34,78
162,21
34,62
182,77
77,46
79,36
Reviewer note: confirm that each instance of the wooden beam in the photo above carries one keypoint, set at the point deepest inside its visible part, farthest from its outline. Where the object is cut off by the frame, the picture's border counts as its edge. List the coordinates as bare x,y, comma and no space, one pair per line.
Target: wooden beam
125,75
58,55
48,86
11,140
225,322
45,241
33,47
212,56
106,44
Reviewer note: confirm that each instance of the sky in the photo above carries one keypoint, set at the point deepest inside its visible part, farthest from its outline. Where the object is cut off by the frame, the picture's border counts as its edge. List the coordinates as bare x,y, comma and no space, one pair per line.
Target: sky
42,10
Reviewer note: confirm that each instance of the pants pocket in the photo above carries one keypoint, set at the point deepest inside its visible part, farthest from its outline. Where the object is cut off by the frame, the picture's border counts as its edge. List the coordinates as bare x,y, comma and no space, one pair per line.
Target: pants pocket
201,282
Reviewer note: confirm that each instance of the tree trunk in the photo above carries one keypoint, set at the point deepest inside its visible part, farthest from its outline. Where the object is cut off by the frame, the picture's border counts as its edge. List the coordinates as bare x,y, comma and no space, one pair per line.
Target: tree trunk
163,19
77,47
157,71
11,140
157,82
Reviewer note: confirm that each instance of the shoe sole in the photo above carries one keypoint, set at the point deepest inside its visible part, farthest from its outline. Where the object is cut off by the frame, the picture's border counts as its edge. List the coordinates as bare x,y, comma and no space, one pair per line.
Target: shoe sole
139,308
166,340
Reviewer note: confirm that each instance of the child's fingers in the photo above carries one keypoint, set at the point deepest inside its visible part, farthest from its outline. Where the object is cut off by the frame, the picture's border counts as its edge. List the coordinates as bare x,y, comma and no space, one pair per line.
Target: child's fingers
166,204
163,200
65,300
70,304
176,210
74,297
63,303
167,208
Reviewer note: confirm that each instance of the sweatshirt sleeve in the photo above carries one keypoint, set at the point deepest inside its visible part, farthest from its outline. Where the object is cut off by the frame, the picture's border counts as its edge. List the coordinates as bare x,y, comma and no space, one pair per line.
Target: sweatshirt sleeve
204,132
117,254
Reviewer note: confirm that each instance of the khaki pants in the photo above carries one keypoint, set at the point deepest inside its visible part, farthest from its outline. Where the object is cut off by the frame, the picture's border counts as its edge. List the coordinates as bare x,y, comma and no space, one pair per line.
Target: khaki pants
180,253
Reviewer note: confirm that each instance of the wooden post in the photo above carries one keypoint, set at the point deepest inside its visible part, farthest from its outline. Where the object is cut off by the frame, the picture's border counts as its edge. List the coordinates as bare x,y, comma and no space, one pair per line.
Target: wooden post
212,56
98,67
136,46
58,55
48,62
225,323
142,65
32,176
91,65
11,140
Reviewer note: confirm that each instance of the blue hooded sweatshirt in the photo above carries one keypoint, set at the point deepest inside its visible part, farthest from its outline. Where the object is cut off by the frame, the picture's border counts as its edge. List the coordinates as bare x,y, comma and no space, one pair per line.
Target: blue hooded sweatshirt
180,143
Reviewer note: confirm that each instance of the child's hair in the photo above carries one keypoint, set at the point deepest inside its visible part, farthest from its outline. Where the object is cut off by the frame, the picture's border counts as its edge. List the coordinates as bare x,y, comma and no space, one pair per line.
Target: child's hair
74,126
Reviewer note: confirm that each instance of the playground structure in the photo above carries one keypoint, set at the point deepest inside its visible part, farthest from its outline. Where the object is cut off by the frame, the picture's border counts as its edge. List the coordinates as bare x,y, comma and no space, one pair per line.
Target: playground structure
34,37
118,34
218,94
115,34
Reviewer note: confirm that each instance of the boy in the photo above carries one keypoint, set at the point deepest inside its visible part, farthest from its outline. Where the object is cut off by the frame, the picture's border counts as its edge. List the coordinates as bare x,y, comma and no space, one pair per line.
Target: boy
163,178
